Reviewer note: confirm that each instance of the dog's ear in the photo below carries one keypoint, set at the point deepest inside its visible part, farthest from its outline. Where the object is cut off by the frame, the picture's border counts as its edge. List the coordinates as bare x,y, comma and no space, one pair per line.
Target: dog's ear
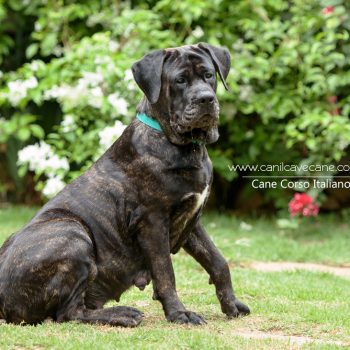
221,59
148,74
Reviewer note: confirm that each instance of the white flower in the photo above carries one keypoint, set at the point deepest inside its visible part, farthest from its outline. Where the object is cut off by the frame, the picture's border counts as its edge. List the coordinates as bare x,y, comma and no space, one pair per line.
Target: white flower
17,92
58,51
59,92
238,45
34,65
18,89
54,92
96,97
35,155
129,79
68,123
249,134
198,32
31,83
38,26
245,92
41,158
130,27
72,95
102,60
119,103
109,134
343,144
54,163
86,91
53,186
128,75
113,46
90,79
131,86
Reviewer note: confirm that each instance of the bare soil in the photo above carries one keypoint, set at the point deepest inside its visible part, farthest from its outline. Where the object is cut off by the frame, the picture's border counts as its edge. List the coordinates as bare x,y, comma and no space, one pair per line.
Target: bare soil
292,266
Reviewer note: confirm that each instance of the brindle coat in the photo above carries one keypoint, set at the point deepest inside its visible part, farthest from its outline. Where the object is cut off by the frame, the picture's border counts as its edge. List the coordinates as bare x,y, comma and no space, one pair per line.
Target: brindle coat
116,225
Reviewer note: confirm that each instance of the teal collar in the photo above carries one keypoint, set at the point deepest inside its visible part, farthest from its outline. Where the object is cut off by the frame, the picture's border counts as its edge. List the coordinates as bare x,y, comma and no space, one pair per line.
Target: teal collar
154,124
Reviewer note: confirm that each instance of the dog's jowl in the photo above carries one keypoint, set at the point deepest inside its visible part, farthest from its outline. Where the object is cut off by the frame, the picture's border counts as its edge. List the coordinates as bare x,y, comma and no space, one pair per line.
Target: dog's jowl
117,224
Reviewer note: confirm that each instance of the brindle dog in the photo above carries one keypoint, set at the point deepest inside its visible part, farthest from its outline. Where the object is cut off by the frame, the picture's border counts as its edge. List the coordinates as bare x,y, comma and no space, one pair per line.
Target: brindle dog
117,224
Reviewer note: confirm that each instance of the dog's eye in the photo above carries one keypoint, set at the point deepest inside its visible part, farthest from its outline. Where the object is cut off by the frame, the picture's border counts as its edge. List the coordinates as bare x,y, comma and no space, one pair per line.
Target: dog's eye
181,80
208,75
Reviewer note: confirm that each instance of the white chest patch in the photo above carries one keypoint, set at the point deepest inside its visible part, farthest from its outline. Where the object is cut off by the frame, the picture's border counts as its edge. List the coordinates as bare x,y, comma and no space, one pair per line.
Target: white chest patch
199,199
191,203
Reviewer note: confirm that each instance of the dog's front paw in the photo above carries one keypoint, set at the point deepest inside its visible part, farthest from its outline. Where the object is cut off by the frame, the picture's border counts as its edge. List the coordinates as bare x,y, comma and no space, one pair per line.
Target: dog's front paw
186,317
235,309
242,308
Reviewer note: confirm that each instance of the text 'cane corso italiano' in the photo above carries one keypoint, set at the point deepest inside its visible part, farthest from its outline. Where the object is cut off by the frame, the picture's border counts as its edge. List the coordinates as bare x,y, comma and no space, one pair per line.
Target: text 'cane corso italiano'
117,224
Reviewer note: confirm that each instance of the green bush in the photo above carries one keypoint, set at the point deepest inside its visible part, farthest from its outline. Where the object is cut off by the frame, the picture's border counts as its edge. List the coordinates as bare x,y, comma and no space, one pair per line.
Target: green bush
66,79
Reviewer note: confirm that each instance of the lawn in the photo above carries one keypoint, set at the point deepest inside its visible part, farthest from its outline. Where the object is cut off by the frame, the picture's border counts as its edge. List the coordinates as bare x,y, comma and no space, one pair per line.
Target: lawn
290,309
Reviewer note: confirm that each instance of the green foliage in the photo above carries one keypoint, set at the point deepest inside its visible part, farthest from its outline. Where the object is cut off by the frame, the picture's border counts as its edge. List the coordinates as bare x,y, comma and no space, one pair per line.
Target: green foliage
21,126
289,79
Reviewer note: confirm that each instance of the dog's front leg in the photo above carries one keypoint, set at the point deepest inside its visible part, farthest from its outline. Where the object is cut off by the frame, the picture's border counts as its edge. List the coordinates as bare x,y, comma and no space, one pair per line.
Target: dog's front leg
200,246
154,242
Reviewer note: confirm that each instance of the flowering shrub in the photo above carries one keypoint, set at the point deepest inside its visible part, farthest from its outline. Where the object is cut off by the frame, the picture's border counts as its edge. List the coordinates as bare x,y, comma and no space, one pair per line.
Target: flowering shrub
17,90
109,134
302,204
93,112
66,79
41,159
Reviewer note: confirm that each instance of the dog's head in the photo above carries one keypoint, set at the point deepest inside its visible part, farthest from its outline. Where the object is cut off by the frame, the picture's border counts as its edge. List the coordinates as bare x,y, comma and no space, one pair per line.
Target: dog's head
179,86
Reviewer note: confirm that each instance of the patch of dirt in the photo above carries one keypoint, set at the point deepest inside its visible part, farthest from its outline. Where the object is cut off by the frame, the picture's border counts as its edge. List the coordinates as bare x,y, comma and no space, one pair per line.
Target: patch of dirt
291,339
142,303
292,266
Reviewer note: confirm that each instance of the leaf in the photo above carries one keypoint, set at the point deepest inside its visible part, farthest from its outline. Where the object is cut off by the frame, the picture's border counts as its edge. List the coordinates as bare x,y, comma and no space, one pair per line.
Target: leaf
22,170
49,42
31,50
23,134
37,131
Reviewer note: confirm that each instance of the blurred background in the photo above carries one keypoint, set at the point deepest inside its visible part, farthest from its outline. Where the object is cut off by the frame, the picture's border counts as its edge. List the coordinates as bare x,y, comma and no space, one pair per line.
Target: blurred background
66,89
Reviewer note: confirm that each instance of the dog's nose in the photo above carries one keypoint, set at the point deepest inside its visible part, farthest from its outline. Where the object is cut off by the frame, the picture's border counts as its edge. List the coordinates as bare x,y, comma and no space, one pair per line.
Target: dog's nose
205,97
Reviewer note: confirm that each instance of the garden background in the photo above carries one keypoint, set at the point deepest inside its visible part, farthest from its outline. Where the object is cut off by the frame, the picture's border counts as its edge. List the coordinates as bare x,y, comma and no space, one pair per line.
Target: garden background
66,88
66,93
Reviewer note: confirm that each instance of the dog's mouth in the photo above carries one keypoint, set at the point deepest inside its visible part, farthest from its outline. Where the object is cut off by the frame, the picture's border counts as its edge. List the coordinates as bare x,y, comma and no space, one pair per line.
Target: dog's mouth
198,134
203,129
205,133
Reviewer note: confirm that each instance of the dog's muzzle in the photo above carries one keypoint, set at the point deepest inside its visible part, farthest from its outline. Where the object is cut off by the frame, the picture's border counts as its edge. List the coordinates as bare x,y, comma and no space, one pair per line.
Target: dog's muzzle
196,116
199,120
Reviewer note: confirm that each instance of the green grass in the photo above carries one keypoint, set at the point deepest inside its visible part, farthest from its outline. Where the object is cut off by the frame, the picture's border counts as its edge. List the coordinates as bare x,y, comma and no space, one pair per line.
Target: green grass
299,303
326,240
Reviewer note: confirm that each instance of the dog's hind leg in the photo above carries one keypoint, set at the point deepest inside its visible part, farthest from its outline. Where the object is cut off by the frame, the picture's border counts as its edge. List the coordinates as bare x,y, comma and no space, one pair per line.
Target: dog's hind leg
47,273
122,316
73,306
74,309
